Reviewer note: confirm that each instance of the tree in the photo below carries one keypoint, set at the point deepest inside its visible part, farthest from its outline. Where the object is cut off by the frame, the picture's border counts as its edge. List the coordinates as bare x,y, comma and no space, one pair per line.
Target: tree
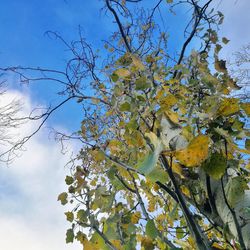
8,122
240,70
162,164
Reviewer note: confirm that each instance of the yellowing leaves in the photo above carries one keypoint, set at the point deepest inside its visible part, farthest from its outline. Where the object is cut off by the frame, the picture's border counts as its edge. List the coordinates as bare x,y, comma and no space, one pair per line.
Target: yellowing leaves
185,191
168,101
98,155
122,72
246,108
115,146
228,106
89,245
137,62
217,246
135,217
69,216
195,153
174,117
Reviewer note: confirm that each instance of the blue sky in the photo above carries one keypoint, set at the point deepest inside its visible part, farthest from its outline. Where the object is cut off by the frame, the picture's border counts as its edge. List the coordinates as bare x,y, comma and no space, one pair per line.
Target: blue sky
29,212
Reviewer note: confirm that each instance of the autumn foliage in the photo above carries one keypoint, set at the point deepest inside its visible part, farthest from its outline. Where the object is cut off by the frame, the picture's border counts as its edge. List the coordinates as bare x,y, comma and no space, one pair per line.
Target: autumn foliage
164,162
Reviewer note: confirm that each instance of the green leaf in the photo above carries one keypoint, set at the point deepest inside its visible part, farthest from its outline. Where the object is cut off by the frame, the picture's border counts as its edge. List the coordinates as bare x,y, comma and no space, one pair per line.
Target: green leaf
180,233
63,198
80,236
69,236
99,242
69,180
125,107
215,166
158,174
142,83
225,40
151,229
69,216
81,215
247,144
110,231
114,77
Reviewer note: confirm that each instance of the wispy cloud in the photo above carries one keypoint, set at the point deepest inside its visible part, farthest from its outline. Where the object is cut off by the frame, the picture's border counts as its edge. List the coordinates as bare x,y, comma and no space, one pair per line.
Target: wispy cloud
30,216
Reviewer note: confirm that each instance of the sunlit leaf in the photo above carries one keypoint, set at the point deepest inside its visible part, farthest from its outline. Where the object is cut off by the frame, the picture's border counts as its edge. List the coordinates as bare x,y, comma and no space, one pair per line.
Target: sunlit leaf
122,72
98,155
88,245
246,107
135,217
195,153
137,62
228,107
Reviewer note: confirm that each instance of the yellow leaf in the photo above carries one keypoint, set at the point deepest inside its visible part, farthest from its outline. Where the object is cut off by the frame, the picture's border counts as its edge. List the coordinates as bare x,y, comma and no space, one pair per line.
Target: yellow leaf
114,146
217,246
135,217
183,244
173,117
246,108
185,191
147,243
122,72
117,244
151,205
195,153
159,94
153,138
98,155
168,102
87,245
228,107
137,62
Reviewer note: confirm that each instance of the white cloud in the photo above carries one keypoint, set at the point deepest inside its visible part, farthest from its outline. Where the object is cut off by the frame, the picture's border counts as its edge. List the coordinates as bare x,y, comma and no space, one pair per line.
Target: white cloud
30,215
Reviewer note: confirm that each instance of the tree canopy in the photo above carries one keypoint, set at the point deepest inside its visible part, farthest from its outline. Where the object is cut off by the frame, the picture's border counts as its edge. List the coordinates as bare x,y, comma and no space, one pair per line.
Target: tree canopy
165,143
